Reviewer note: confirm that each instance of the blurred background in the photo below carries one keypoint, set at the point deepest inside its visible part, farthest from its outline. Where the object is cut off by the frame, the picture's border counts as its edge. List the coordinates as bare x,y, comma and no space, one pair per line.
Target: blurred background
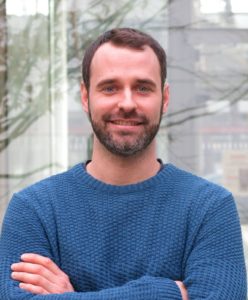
43,129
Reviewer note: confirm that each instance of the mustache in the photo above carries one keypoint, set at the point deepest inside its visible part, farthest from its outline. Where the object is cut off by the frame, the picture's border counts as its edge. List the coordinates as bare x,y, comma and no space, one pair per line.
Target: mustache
126,116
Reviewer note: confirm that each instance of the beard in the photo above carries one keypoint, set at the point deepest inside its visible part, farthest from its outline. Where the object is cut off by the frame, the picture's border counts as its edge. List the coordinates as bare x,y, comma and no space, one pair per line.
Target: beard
125,145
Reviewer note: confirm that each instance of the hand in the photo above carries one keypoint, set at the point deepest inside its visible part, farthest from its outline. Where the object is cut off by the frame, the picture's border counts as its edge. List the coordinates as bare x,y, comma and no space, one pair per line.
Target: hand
183,290
40,275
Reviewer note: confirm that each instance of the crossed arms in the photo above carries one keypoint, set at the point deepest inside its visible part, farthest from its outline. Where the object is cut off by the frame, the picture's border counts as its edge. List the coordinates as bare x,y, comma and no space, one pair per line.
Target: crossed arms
40,275
215,274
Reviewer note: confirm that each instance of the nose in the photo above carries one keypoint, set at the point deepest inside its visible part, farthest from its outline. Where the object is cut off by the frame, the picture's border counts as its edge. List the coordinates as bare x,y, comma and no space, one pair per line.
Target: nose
127,102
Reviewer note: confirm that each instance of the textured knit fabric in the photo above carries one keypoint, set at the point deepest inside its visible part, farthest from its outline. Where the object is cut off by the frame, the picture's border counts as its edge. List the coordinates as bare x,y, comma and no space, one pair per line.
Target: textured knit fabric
128,242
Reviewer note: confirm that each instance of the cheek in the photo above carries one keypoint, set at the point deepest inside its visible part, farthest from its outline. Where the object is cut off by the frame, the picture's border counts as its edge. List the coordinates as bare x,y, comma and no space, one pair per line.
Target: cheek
103,108
97,113
100,103
154,113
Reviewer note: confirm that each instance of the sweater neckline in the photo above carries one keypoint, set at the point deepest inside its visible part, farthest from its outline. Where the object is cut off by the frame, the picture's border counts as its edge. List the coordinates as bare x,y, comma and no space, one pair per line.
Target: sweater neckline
83,178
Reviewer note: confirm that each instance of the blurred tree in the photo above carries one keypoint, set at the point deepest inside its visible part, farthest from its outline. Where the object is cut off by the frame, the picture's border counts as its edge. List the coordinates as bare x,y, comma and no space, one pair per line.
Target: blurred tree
34,75
3,73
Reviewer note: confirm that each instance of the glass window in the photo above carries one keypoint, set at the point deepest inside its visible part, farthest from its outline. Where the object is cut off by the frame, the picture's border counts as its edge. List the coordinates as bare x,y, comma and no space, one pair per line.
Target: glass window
212,6
239,6
27,7
220,13
43,129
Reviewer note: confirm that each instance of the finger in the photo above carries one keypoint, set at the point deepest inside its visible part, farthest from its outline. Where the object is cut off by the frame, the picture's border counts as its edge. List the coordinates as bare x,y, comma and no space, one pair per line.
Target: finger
30,268
41,271
183,290
43,261
33,289
42,284
33,279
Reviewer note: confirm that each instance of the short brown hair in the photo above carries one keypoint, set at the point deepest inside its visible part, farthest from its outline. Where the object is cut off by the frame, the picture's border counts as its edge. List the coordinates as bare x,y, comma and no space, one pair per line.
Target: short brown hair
124,37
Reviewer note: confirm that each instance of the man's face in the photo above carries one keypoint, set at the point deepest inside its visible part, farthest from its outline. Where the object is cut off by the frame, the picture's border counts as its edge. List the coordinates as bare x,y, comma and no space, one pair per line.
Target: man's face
125,101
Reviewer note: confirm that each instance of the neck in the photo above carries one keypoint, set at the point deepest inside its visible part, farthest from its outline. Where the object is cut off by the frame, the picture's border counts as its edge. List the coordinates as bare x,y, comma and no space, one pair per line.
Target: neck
118,170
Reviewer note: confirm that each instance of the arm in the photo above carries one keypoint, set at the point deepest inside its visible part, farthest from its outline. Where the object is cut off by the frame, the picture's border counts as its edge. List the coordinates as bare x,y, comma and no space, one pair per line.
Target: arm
24,232
145,288
40,275
214,267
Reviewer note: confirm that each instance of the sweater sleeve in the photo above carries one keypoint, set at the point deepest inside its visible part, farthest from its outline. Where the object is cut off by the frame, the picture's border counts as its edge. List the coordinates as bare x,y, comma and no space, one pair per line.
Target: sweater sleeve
144,288
23,231
215,267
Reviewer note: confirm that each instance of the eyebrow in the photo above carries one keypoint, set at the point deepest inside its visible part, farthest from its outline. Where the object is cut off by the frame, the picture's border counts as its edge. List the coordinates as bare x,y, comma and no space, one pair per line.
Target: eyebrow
139,81
105,82
147,81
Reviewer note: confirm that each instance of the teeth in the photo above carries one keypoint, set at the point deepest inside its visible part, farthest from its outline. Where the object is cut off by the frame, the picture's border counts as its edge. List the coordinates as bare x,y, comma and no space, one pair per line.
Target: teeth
125,123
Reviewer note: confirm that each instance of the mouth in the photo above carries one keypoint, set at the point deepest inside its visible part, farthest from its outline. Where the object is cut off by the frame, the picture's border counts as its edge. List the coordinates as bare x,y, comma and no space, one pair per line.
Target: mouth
126,122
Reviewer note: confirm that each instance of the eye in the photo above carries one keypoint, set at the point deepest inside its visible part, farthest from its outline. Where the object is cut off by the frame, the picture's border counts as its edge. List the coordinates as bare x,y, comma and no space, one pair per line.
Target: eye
109,89
143,89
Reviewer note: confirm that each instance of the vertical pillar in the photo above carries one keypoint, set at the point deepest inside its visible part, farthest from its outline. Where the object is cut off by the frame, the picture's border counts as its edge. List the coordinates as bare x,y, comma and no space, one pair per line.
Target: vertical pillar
58,86
3,109
181,58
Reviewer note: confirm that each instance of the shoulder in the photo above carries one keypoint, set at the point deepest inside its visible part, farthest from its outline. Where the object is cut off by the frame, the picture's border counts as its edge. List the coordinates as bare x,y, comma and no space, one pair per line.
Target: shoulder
49,189
195,190
202,202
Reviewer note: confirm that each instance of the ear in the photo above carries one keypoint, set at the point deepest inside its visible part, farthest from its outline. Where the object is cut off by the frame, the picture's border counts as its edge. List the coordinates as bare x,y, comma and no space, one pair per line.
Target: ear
84,97
166,94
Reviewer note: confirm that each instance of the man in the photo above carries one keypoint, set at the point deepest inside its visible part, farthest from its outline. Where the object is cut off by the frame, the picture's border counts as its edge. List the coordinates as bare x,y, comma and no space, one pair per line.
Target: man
123,225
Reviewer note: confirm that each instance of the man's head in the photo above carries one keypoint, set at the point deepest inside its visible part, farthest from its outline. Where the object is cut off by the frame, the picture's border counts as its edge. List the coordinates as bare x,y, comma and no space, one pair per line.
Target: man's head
124,37
122,93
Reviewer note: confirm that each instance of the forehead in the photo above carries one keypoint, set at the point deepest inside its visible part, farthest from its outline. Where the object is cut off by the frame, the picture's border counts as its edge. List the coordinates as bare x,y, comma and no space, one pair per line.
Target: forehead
110,60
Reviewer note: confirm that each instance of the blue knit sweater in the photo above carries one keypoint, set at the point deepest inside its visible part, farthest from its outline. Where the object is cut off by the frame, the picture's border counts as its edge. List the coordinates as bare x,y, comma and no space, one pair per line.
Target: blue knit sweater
128,242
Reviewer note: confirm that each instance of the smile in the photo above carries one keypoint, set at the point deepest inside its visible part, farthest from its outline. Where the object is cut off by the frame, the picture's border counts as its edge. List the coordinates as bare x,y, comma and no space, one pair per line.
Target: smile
126,123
